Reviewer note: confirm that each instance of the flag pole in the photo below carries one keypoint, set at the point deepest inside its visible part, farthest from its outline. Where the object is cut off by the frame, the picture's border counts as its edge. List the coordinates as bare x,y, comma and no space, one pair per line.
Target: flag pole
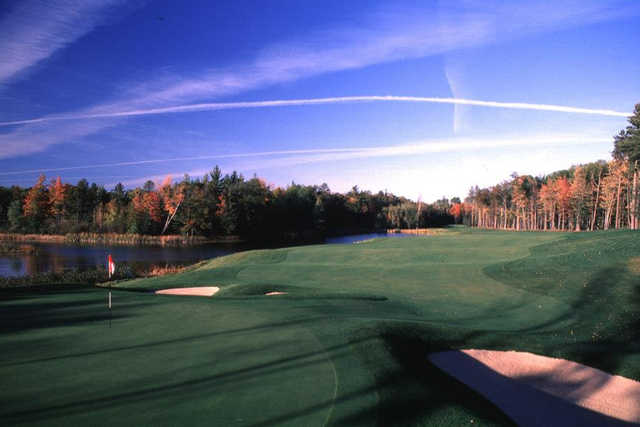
109,263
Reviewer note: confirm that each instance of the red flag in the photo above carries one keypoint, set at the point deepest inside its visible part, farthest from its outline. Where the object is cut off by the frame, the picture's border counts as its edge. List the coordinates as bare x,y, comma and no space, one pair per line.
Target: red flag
111,266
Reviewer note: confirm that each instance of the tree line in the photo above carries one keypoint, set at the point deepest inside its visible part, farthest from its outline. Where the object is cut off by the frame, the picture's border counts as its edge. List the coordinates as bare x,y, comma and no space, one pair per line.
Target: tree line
211,206
594,196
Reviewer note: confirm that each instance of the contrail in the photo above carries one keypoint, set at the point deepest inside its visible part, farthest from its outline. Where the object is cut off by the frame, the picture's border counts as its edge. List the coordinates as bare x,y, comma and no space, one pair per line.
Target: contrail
179,159
209,106
320,154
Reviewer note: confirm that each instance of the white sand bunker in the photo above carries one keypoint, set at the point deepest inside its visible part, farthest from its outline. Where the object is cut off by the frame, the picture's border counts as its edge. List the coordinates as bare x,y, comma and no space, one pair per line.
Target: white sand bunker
275,293
203,291
536,390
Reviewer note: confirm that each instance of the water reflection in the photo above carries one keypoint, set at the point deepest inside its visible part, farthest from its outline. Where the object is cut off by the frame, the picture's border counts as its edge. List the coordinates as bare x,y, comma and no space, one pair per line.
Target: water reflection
57,258
51,257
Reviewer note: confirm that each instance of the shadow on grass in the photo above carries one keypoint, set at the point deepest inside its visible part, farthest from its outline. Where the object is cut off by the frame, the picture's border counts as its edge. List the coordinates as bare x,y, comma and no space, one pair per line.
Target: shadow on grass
593,279
182,340
21,314
525,404
609,323
182,390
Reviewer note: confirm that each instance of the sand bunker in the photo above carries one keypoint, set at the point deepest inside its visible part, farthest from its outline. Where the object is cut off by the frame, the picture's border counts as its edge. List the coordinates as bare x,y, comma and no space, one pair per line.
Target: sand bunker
203,291
275,293
538,390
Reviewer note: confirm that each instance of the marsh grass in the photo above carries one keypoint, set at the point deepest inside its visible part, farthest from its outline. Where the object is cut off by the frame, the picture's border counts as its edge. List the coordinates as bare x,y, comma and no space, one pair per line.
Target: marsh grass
89,277
109,239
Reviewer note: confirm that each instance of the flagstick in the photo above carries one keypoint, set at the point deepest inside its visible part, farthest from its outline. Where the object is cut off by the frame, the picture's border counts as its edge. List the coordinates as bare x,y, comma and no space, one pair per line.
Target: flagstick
110,312
109,273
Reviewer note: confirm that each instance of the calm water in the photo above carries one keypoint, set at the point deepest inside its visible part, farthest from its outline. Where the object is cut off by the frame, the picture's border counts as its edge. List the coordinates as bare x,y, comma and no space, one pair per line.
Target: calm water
59,257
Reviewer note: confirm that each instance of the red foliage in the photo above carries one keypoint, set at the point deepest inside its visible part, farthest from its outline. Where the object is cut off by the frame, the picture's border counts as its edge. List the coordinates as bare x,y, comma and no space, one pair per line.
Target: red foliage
153,205
36,201
562,190
57,193
456,210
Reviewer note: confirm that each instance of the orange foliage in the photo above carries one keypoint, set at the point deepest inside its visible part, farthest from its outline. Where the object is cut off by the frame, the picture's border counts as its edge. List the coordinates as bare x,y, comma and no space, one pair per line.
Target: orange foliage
562,190
222,205
456,210
153,205
170,198
166,182
35,202
547,196
138,203
57,193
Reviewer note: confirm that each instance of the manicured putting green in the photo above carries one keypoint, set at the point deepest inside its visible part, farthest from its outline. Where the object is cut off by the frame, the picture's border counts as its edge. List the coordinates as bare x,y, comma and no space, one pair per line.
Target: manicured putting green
347,342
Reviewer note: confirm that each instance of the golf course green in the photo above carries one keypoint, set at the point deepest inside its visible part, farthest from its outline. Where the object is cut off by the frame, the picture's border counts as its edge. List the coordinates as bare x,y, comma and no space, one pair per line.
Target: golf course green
347,342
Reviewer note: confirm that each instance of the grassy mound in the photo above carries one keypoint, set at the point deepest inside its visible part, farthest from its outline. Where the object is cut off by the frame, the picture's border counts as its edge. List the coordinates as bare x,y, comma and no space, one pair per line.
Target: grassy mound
346,344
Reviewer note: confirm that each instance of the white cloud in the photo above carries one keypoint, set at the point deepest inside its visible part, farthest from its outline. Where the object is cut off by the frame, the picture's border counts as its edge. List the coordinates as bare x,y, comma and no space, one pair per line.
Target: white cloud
385,36
34,30
390,34
470,148
212,106
181,159
38,137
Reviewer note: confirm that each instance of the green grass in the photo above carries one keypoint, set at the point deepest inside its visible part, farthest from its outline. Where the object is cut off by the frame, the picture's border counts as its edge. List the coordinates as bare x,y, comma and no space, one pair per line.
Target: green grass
347,344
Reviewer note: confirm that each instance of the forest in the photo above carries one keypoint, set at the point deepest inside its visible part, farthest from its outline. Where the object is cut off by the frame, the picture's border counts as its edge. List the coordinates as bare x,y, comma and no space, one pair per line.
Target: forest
212,206
596,196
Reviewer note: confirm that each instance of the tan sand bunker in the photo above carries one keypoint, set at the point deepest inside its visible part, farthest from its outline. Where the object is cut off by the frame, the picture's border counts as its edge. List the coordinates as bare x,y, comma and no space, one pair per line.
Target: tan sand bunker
202,291
536,390
275,293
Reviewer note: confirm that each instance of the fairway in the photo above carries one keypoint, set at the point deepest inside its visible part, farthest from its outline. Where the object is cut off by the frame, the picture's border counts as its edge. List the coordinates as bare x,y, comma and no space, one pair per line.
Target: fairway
346,343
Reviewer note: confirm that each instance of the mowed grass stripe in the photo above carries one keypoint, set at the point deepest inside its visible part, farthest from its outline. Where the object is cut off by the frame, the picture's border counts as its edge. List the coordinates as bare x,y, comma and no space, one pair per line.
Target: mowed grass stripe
347,344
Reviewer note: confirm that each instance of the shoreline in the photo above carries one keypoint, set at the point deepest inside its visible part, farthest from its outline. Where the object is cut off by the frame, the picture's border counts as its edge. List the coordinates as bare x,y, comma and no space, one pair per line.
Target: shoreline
416,231
117,239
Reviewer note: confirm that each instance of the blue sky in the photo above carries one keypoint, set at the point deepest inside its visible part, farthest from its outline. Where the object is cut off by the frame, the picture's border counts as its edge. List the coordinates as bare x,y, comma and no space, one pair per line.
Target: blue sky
447,94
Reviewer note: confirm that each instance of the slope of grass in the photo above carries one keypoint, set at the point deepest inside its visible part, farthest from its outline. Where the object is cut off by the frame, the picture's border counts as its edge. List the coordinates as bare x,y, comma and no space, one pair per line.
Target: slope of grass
347,344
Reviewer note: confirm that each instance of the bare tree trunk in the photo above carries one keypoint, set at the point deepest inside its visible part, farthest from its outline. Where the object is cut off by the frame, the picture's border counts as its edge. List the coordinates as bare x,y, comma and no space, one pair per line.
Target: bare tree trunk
170,218
629,206
505,215
595,204
634,197
607,217
618,203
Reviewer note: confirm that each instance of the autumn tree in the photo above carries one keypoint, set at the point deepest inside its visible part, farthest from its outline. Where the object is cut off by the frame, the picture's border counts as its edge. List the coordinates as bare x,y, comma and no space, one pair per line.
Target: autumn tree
562,191
578,193
138,216
627,148
457,211
548,203
57,193
172,199
154,206
36,204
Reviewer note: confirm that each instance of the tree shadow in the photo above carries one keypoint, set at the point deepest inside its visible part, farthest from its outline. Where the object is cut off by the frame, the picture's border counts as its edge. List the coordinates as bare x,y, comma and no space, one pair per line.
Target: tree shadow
523,403
184,390
181,340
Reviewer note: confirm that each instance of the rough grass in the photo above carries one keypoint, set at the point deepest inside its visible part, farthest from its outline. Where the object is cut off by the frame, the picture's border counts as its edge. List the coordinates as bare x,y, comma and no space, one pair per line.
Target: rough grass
347,344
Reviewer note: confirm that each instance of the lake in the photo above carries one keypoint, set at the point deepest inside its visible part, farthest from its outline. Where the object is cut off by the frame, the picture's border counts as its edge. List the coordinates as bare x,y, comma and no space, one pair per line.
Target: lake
55,257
